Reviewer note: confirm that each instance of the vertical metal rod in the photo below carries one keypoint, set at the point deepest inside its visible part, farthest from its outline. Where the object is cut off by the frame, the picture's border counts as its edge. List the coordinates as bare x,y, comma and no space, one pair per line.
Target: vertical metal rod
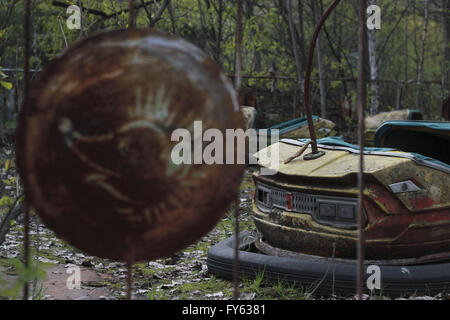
238,81
26,214
334,269
132,21
129,274
26,246
37,244
312,132
238,66
361,115
236,252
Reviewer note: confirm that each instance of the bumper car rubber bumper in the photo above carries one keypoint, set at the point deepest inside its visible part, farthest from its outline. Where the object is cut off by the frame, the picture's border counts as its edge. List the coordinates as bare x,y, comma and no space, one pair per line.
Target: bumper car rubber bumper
323,277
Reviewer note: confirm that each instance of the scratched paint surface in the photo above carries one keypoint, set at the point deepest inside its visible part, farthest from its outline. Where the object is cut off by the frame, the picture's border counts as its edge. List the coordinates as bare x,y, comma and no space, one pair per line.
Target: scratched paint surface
387,170
94,145
403,225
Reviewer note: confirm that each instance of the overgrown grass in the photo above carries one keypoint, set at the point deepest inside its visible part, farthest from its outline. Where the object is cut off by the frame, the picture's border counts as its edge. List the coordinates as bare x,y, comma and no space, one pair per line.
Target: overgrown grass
30,274
201,289
281,290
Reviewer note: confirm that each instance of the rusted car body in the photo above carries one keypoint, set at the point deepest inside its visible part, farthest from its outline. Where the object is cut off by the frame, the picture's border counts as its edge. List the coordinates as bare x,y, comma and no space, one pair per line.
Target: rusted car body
310,206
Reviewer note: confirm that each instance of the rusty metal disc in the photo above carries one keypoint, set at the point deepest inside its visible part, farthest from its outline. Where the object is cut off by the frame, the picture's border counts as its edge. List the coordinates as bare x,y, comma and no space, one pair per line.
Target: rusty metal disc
94,145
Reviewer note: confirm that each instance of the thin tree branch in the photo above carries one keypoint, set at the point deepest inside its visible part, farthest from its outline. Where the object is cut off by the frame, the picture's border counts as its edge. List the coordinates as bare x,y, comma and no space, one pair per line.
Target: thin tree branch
12,214
159,13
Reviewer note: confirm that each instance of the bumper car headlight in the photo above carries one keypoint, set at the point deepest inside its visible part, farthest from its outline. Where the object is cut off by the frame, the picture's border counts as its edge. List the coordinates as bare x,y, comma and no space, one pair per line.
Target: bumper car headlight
346,212
327,210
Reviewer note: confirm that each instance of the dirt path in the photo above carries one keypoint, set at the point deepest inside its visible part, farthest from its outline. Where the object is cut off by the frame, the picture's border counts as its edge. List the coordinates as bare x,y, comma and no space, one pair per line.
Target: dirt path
93,285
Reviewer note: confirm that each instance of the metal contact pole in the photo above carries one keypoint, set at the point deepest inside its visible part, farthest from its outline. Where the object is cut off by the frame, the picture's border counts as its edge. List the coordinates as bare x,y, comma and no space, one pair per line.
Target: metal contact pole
131,25
361,109
129,274
236,208
312,46
26,214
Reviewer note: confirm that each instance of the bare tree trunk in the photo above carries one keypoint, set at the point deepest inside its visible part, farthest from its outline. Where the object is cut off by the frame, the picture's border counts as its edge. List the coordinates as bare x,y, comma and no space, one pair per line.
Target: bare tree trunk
296,56
398,98
405,57
422,56
153,19
238,40
5,224
323,101
219,11
16,88
172,18
82,20
5,22
372,46
446,16
301,33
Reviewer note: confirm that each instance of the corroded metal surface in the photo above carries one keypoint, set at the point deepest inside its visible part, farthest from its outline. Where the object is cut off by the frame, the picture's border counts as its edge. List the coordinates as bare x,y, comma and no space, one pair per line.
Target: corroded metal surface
390,240
94,144
397,227
334,164
343,165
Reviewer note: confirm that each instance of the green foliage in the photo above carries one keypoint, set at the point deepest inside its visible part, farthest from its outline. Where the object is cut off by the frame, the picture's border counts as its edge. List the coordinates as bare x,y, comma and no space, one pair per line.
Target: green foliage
6,85
266,40
6,201
255,285
25,275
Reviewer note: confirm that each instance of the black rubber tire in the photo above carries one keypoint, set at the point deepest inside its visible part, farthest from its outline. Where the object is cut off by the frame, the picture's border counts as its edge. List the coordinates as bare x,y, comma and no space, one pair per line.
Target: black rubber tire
427,279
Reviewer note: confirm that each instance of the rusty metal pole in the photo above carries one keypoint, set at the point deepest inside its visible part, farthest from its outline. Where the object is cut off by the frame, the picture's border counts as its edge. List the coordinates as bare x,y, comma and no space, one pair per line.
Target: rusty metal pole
129,275
236,252
26,214
361,109
236,208
132,25
26,246
312,46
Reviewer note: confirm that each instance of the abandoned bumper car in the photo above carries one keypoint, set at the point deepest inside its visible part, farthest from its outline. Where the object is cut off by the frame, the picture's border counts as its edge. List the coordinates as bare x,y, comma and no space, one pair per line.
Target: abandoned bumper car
306,214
